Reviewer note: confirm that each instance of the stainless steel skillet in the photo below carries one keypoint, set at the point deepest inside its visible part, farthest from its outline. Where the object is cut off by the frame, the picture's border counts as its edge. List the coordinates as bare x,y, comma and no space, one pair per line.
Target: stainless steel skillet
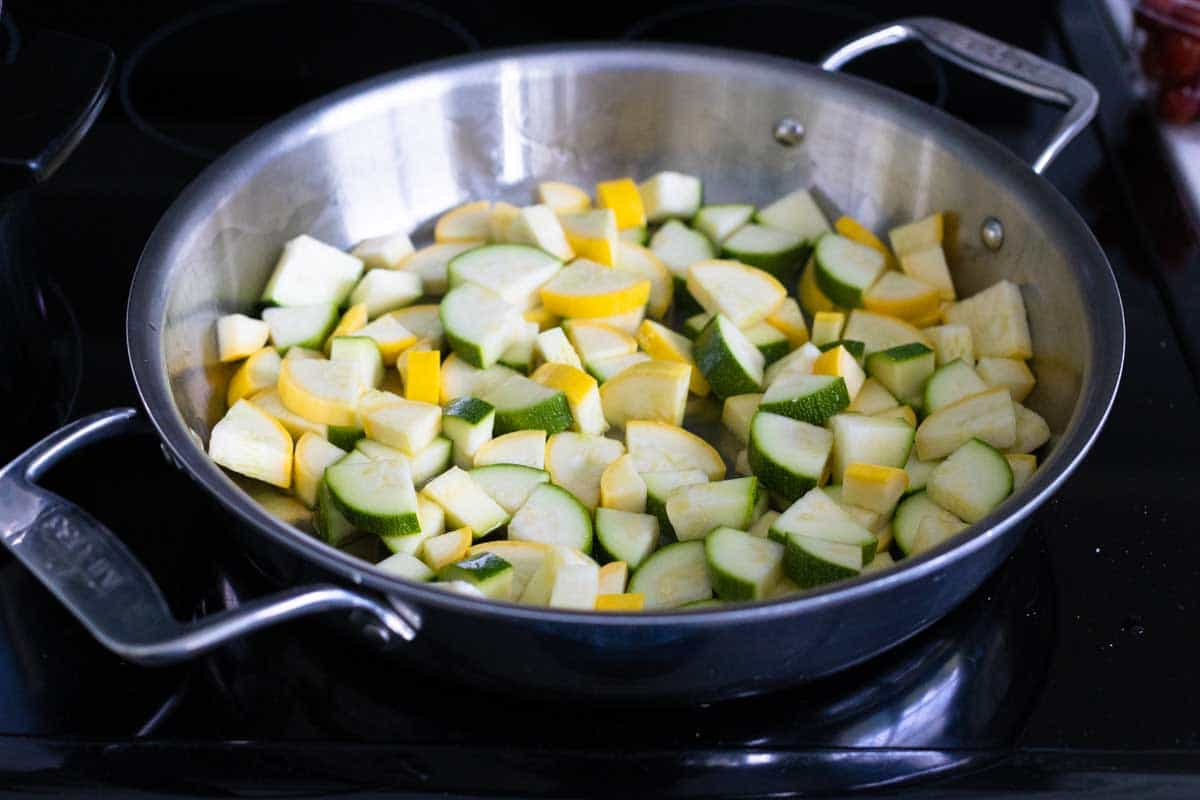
397,150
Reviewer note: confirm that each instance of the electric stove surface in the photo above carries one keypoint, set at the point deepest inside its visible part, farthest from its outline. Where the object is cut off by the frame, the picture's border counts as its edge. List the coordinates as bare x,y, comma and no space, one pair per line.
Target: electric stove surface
1070,669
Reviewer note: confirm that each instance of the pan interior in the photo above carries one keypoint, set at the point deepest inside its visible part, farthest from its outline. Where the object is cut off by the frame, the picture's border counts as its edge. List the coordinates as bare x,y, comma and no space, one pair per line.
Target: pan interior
395,153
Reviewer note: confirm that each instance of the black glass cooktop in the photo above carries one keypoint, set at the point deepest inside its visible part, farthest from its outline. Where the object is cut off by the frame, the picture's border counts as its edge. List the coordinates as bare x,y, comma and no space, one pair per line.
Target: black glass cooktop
1070,670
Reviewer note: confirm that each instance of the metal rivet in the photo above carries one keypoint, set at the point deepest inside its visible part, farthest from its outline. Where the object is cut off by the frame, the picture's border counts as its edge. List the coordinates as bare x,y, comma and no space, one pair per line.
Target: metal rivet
992,233
789,132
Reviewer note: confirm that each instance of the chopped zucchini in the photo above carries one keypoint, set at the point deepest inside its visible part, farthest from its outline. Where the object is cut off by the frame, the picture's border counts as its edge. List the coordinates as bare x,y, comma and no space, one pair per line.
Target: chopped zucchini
523,404
657,447
972,481
950,383
552,515
671,195
678,247
996,317
527,448
375,496
869,440
808,398
650,390
777,251
513,271
478,324
903,370
796,213
741,566
989,416
251,442
487,572
673,576
309,272
737,413
730,363
1010,373
465,502
718,223
576,462
788,456
622,487
510,485
695,510
625,536
468,422
383,290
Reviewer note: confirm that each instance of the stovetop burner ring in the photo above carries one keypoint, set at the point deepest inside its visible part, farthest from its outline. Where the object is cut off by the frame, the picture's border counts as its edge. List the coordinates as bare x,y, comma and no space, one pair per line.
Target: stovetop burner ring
159,129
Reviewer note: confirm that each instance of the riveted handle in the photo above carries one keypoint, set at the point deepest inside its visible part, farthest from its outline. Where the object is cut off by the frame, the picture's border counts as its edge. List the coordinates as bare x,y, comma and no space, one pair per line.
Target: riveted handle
104,585
993,59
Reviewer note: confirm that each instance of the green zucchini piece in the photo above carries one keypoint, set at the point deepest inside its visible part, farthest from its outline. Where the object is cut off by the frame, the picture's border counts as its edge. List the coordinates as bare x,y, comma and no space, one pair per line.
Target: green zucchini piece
673,576
845,269
730,363
625,536
788,456
741,566
808,398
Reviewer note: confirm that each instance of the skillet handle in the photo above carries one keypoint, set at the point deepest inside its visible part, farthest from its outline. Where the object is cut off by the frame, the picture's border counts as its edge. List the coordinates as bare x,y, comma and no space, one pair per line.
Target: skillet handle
101,582
1015,68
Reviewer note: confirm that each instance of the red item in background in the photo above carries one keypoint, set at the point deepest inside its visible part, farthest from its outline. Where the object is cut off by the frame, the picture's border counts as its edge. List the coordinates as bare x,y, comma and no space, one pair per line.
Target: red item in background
1179,104
1179,55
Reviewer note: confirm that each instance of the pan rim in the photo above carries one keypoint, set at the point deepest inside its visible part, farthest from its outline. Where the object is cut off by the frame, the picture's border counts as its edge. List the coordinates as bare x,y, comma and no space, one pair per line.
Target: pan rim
150,289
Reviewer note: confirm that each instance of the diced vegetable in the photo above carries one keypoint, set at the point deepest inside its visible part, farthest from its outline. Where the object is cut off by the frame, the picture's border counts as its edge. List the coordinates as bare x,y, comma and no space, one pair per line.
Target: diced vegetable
846,269
901,296
582,392
873,487
588,289
431,264
741,566
625,536
403,424
388,251
250,442
673,576
257,373
971,482
383,290
552,515
737,413
696,510
487,572
663,344
523,404
797,213
509,484
809,398
526,559
564,198
951,383
988,416
996,317
827,327
730,363
577,461
839,362
880,332
718,223
903,370
539,226
239,336
873,398
912,512
788,456
466,223
1032,431
478,324
869,440
403,565
928,265
1010,373
951,343
513,271
553,348
777,251
312,455
375,496
671,195
658,447
566,579
678,247
621,487
660,485
592,235
309,272
468,422
527,448
743,294
641,261
918,235
466,504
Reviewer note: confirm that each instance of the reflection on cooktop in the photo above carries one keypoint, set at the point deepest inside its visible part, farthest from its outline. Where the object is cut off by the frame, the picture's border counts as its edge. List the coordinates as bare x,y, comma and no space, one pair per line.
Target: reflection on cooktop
273,57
